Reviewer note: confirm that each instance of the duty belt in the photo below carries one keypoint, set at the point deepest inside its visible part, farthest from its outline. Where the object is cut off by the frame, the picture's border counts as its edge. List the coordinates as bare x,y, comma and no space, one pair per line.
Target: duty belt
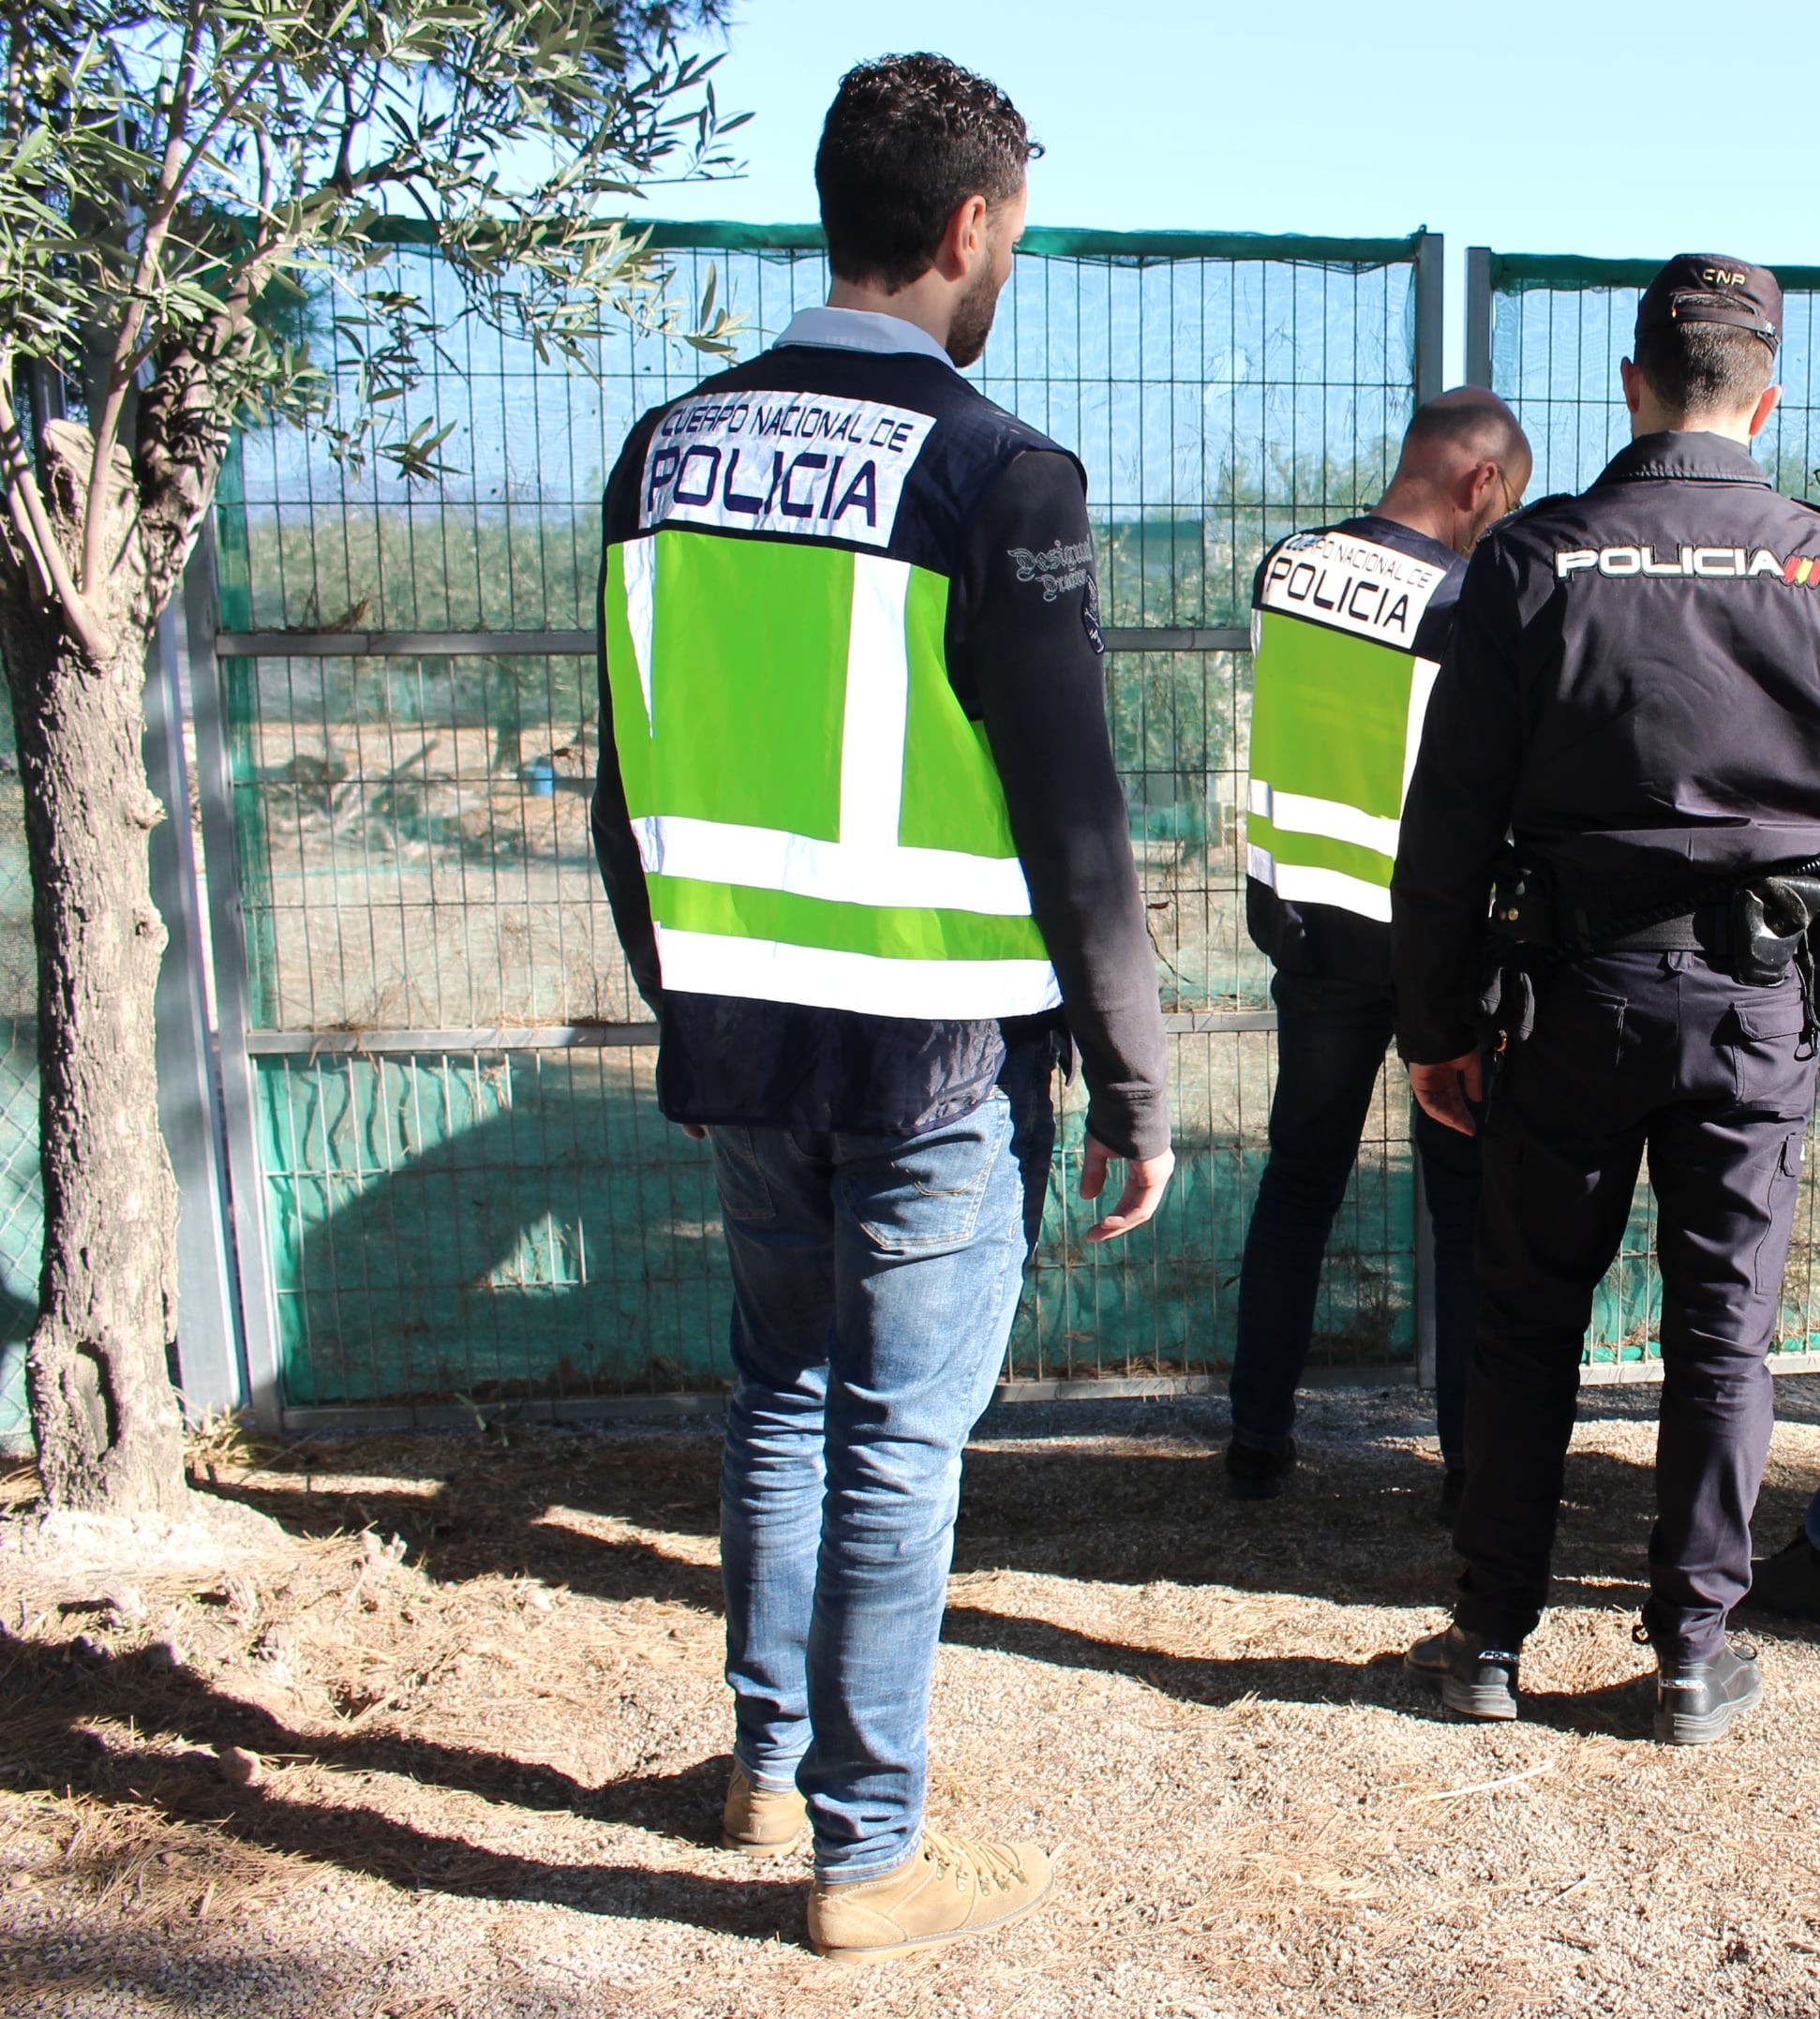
1707,930
1754,926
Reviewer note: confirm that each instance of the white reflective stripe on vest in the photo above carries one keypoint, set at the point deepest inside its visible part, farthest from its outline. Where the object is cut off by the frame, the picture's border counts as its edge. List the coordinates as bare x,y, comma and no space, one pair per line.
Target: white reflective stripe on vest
1300,813
877,710
843,872
1421,687
639,559
707,964
1298,882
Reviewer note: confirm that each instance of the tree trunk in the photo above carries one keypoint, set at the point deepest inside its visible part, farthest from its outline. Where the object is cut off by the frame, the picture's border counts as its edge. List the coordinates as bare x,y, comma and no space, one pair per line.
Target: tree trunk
99,1373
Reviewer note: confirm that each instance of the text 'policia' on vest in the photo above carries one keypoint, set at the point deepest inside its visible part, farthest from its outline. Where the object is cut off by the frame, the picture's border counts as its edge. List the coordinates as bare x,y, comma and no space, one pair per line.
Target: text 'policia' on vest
1341,687
818,821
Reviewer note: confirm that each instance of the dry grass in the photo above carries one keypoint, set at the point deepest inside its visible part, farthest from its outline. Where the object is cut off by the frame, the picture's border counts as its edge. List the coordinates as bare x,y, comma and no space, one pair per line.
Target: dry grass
475,1770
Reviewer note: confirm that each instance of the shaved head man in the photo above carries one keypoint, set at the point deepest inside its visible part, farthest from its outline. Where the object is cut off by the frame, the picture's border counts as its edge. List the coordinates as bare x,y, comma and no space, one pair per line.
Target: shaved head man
1350,623
1465,464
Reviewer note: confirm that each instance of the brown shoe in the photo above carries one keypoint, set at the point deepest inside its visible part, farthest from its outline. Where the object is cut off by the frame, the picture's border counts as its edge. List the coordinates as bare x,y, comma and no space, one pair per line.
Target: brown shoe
763,1822
951,1889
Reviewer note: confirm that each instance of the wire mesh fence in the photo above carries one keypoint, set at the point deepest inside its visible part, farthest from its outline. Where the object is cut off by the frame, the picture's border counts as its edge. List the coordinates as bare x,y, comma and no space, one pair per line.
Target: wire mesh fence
1557,328
414,857
479,1200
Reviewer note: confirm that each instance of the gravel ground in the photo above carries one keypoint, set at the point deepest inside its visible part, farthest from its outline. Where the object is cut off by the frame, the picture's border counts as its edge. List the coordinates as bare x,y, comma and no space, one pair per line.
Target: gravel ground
476,1770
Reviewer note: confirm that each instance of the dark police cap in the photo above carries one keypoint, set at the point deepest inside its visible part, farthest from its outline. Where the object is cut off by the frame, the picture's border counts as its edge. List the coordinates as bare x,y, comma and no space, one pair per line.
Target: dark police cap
1705,286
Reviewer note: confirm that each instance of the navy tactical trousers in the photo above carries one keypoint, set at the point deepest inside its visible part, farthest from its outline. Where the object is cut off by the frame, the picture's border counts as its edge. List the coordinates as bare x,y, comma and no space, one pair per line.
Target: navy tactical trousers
1331,1039
1633,1052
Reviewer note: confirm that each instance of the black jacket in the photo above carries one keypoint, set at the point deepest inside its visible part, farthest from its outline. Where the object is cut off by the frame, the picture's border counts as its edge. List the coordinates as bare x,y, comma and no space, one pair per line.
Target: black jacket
1000,510
1632,691
1326,941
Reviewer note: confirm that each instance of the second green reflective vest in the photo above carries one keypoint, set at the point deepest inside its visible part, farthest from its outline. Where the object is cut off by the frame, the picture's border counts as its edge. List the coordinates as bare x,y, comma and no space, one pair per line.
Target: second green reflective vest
1340,688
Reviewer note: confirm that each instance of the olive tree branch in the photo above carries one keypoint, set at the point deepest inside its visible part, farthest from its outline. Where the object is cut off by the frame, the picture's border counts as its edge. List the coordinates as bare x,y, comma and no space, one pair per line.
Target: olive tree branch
25,508
119,376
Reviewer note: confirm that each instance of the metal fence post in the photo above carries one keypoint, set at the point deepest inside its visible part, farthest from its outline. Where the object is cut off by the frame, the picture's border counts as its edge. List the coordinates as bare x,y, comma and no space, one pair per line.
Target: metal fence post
1478,315
1430,300
239,1093
1430,268
189,1113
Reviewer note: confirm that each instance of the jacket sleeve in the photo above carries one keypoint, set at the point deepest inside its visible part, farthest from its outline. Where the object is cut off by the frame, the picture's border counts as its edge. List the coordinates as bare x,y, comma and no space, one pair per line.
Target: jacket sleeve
1030,657
1456,816
616,848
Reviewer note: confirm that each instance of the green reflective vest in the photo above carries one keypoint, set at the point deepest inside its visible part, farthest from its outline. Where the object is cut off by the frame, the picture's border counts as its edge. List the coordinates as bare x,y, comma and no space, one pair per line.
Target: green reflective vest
1340,691
819,821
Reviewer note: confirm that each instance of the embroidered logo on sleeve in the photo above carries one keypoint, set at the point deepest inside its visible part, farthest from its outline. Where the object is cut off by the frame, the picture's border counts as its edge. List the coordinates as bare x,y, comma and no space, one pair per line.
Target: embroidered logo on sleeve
1090,616
1058,568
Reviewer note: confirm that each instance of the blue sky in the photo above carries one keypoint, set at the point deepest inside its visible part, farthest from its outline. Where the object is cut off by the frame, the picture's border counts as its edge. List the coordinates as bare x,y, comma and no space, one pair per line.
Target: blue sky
1547,126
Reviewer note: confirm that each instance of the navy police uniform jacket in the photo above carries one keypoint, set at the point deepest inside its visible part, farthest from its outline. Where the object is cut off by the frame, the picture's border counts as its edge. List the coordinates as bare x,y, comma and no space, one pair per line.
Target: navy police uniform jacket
1633,693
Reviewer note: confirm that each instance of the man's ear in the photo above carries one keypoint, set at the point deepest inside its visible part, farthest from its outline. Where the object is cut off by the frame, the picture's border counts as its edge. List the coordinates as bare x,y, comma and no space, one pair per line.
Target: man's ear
1475,482
1768,401
1632,381
964,239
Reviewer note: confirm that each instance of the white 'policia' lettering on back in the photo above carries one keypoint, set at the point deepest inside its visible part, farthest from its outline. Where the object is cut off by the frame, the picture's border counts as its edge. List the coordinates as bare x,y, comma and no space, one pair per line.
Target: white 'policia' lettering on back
783,463
1352,584
1700,563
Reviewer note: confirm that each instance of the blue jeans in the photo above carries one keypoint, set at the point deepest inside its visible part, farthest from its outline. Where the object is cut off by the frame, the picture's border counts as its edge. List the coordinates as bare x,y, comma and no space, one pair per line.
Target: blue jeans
876,1280
1331,1039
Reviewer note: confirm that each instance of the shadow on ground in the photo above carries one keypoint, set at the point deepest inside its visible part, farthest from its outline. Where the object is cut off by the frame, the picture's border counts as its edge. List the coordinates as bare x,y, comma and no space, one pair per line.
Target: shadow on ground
47,1698
1356,1527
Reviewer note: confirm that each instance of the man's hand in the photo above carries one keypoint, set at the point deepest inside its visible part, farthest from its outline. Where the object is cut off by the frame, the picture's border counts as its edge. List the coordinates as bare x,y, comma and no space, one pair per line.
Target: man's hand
694,1131
1437,1089
1144,1180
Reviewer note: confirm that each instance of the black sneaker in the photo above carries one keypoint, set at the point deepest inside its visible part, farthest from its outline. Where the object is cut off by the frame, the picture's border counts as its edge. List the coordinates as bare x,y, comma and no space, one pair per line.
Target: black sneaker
1448,1510
1253,1473
1696,1701
1789,1581
1476,1676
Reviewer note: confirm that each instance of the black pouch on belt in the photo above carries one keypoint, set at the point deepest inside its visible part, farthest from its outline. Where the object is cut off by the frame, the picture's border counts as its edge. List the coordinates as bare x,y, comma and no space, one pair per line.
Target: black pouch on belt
1505,1008
1522,922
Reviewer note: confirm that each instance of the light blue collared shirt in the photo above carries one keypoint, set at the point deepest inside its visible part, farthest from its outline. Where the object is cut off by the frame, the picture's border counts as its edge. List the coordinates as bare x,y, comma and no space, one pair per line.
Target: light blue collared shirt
859,329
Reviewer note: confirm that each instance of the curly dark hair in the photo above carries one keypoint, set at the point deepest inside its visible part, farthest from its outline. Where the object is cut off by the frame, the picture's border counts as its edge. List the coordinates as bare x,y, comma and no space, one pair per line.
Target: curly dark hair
906,140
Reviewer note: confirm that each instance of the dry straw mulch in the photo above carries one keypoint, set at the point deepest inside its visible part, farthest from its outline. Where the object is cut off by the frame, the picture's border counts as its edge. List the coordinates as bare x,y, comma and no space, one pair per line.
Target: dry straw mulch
452,1739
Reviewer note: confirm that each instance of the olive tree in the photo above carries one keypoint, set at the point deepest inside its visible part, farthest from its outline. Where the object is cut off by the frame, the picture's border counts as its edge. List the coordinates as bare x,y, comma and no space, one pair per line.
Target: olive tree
177,179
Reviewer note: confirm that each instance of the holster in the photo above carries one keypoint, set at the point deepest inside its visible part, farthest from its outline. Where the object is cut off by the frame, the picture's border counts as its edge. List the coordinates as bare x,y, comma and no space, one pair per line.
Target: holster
1770,924
1773,922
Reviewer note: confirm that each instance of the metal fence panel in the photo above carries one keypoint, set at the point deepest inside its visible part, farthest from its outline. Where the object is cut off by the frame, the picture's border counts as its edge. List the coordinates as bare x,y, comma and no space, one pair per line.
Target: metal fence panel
409,824
1557,328
1560,326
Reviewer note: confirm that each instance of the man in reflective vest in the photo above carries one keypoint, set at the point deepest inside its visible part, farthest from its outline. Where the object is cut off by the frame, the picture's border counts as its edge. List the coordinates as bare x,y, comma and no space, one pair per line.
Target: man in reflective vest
1349,626
869,857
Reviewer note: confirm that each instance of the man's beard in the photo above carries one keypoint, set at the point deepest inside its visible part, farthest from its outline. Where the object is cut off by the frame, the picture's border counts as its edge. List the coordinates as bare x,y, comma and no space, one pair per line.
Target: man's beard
973,319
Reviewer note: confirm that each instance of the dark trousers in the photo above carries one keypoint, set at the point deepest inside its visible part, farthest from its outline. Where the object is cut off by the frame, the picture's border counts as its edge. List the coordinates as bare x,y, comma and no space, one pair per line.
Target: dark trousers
1634,1052
1331,1041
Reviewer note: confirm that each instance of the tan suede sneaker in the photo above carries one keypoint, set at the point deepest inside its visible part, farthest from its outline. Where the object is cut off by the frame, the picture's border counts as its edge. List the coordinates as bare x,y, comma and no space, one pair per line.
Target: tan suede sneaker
763,1822
950,1890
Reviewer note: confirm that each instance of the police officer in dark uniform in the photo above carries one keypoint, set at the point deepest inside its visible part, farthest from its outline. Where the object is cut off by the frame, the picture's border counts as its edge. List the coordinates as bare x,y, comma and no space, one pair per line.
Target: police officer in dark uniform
1632,695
